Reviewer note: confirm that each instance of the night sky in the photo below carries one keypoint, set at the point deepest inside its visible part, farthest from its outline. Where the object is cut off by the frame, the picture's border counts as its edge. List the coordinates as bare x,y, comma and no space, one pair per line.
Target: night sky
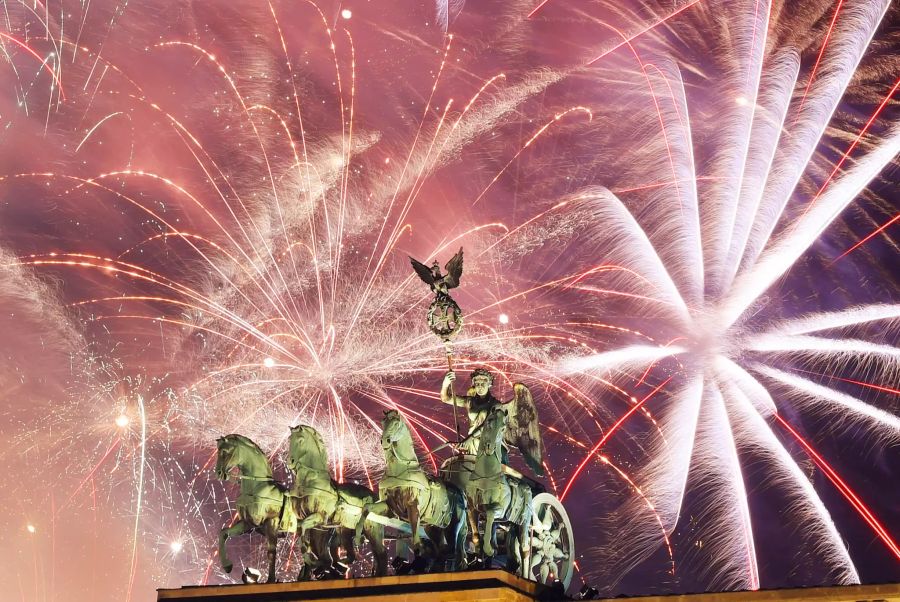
679,222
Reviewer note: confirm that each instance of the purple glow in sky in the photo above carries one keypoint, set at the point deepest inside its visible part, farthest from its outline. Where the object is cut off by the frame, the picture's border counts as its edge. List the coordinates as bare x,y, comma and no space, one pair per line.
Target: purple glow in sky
679,221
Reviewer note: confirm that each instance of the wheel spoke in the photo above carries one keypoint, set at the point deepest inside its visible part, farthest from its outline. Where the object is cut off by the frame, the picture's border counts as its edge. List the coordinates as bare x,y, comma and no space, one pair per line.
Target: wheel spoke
548,519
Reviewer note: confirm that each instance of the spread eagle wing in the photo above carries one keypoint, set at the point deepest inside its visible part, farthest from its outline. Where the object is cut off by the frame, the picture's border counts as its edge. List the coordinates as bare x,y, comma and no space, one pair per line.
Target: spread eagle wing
422,270
523,430
454,269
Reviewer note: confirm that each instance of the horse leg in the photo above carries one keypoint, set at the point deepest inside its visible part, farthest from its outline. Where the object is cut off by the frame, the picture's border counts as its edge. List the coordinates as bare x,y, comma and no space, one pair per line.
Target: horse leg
413,512
308,523
472,518
375,536
347,544
236,529
437,550
305,566
457,537
271,547
379,507
318,556
513,548
487,543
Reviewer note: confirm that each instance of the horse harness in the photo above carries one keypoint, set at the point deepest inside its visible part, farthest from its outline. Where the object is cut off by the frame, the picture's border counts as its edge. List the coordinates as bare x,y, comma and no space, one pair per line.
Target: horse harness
440,516
250,498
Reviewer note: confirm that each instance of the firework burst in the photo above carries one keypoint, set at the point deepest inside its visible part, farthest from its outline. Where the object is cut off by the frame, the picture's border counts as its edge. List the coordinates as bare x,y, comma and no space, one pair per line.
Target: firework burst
224,204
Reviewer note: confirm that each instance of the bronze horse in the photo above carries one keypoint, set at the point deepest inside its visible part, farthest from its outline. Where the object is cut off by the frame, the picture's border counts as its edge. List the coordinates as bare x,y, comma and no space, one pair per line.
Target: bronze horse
408,493
322,503
263,504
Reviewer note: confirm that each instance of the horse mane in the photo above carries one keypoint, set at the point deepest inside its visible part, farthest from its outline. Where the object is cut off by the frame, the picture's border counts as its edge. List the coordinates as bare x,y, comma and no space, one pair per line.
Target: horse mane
244,439
495,410
402,420
250,442
317,437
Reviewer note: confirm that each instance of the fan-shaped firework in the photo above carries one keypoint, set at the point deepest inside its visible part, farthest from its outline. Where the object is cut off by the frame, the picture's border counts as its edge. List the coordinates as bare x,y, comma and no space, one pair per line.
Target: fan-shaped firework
226,198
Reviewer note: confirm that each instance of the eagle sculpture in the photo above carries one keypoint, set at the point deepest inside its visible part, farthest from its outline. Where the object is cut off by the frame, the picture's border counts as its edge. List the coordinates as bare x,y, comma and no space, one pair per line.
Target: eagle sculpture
440,283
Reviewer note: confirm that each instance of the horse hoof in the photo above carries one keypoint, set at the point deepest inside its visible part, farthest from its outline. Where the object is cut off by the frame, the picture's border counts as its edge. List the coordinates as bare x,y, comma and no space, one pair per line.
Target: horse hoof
227,567
419,565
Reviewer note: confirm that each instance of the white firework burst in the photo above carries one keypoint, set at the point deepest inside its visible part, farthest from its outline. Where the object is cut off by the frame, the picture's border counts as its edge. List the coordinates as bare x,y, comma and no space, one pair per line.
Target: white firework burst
711,244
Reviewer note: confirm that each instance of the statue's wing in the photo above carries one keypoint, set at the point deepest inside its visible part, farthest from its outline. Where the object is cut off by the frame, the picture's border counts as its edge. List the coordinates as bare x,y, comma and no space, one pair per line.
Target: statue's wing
523,430
454,269
422,270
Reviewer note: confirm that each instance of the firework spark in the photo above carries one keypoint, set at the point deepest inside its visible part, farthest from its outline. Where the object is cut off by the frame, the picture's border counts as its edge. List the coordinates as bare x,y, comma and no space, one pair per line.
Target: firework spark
208,233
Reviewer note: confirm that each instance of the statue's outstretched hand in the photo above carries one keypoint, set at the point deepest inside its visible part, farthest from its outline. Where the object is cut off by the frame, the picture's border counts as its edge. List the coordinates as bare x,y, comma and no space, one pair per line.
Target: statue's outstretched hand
449,378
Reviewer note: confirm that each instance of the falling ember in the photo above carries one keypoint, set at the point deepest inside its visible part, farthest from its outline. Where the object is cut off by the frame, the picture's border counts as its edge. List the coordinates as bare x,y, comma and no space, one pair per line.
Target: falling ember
122,421
31,528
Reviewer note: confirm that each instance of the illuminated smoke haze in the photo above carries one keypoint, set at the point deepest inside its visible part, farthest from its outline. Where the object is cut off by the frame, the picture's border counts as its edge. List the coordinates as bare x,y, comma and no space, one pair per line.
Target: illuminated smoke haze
677,222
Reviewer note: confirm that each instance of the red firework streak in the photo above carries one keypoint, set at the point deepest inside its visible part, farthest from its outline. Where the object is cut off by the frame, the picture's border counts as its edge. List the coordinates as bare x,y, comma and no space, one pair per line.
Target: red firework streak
875,233
812,75
861,383
643,31
608,434
859,136
845,490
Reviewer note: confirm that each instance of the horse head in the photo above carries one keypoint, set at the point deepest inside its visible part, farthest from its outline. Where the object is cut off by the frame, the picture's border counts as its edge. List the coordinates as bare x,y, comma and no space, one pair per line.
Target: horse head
238,455
393,428
307,449
226,456
492,432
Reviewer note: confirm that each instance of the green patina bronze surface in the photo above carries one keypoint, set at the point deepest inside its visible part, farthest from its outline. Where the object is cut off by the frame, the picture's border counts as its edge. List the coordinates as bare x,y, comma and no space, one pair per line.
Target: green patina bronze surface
320,502
491,494
262,505
410,494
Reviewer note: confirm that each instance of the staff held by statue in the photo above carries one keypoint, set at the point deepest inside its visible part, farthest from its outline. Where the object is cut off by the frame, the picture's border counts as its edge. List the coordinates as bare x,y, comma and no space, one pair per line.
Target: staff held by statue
445,318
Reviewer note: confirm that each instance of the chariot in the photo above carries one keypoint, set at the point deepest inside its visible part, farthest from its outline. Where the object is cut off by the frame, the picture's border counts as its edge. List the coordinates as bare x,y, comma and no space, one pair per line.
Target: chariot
550,545
441,516
530,533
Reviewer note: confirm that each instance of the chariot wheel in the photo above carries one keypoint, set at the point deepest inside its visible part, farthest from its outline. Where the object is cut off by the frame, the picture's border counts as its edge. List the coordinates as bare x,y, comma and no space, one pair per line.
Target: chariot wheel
551,554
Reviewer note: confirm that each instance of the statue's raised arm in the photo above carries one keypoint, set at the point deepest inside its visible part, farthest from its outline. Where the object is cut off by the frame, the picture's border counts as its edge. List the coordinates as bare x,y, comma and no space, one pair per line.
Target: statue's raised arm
523,430
448,395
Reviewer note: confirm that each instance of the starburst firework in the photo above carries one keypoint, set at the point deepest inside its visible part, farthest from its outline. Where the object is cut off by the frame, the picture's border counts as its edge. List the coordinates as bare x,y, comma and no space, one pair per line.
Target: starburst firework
234,211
